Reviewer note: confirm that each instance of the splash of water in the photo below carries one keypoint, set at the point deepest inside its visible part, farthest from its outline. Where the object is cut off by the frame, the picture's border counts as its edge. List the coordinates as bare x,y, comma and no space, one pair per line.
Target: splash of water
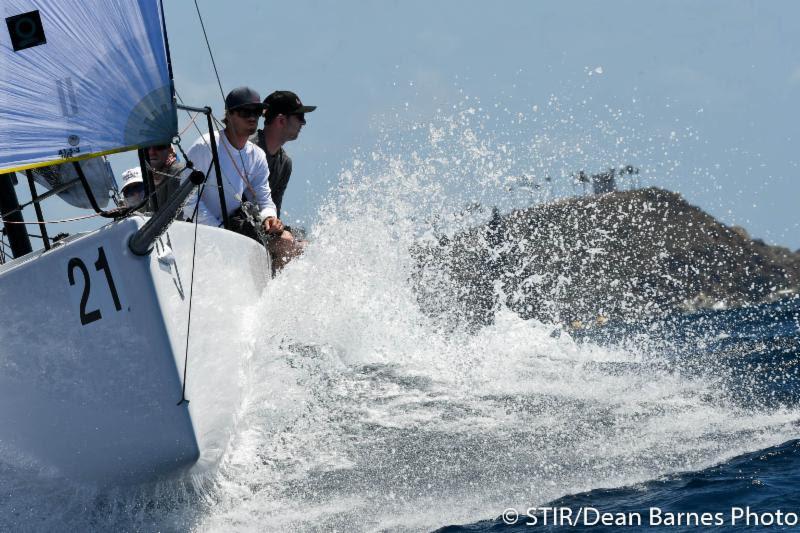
365,413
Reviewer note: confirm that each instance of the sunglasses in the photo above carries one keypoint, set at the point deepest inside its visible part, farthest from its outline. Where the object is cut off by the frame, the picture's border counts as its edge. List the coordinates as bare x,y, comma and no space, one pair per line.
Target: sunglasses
133,189
301,117
248,112
160,147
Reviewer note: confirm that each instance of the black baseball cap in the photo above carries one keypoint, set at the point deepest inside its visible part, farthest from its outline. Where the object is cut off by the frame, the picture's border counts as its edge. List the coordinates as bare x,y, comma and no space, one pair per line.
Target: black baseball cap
285,103
243,96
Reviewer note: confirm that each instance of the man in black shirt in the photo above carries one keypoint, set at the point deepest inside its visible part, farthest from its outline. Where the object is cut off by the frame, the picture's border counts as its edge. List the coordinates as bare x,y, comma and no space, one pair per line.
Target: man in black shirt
284,117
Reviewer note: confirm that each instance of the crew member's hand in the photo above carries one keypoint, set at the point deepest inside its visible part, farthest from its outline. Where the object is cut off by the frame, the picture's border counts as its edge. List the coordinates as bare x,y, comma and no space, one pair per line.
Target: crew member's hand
273,225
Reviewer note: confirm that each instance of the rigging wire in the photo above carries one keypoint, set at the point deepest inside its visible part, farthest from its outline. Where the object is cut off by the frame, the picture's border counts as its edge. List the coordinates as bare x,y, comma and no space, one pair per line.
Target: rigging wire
213,63
197,205
191,294
194,123
73,219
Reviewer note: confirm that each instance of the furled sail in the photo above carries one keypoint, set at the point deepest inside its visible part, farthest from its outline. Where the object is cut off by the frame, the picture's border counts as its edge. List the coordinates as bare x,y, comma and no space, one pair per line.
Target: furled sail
81,78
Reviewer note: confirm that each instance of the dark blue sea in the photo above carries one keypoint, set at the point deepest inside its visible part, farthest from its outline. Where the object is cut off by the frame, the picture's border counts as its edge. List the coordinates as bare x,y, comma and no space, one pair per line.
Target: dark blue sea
756,352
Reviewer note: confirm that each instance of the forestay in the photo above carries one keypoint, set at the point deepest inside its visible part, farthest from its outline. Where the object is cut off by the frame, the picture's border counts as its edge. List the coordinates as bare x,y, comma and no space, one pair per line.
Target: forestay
80,78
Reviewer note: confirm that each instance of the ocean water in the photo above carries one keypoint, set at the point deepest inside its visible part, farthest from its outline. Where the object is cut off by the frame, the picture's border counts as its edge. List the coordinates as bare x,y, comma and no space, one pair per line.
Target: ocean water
364,413
756,352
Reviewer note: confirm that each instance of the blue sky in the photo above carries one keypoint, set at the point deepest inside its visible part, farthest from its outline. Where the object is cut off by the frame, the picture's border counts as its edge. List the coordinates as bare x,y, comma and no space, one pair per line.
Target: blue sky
715,82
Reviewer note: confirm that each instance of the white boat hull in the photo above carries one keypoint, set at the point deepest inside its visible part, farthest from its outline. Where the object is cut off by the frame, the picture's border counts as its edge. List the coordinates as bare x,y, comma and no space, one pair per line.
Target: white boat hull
92,352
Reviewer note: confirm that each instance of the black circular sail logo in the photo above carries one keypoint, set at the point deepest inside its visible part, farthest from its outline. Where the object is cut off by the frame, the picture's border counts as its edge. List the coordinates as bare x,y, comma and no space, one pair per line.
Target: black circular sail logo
73,140
26,30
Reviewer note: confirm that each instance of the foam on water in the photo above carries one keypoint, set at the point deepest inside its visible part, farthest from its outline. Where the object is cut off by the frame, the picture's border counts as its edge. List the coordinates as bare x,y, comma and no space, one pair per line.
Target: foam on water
414,430
364,413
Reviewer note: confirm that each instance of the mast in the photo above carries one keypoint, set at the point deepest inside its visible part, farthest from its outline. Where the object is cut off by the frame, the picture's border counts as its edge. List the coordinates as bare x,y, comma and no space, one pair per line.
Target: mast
17,234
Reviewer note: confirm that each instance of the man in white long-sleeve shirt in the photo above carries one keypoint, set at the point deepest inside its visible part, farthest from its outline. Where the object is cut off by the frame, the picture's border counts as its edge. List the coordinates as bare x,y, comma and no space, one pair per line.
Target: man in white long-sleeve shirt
244,167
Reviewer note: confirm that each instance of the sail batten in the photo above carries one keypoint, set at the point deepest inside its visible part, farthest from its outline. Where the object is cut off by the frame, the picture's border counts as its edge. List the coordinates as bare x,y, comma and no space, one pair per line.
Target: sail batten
80,78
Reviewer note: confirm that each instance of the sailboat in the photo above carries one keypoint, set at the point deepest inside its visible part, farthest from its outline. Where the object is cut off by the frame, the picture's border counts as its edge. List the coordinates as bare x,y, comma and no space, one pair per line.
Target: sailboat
122,349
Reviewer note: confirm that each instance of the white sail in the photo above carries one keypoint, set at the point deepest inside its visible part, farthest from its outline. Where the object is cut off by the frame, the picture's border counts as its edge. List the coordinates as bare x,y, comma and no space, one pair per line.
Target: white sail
80,78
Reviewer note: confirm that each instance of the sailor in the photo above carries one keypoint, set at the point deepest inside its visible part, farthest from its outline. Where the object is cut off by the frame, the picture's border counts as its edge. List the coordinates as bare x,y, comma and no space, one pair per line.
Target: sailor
165,169
284,117
132,187
245,173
